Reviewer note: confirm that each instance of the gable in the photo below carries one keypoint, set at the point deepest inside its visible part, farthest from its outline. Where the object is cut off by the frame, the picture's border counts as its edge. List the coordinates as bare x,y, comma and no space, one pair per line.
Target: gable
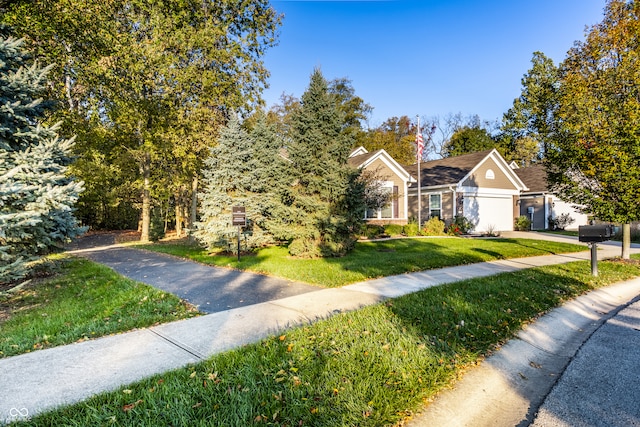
489,174
382,162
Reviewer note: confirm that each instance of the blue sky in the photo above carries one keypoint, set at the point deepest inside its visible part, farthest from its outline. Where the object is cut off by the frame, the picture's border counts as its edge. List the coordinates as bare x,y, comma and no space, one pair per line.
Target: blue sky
423,57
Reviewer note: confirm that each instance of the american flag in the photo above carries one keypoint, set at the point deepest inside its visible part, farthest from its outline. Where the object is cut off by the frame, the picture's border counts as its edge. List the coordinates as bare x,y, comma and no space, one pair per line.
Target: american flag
420,144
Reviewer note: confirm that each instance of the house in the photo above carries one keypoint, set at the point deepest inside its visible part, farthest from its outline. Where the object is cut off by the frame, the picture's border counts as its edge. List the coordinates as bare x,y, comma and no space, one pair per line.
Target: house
538,204
393,177
479,186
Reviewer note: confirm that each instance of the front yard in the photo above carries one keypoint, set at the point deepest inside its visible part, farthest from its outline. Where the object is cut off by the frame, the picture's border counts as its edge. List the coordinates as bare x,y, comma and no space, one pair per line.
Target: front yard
371,367
371,260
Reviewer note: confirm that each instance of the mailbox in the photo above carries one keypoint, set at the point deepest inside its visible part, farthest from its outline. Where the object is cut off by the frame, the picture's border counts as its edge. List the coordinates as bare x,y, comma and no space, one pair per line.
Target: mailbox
595,233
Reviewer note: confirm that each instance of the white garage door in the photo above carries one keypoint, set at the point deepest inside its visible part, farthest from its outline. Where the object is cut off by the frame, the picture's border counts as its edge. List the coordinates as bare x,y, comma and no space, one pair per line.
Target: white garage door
489,212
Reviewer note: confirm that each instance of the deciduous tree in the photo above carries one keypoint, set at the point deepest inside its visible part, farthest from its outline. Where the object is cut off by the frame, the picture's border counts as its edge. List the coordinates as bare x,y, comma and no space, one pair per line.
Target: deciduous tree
594,159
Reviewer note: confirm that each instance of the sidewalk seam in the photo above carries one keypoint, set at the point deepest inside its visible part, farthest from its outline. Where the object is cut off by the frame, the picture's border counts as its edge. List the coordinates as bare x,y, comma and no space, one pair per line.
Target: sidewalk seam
180,345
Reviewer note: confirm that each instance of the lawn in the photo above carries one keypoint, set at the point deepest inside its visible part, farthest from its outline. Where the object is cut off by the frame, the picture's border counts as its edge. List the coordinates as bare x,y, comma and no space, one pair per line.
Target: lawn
370,367
371,260
83,300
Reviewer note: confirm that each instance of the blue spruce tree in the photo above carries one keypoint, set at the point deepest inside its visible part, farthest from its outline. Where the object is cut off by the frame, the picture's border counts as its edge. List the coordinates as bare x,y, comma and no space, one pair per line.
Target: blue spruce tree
36,194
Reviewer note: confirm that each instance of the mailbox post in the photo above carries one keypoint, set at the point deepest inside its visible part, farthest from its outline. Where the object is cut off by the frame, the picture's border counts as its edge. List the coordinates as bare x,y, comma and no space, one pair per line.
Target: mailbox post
239,219
593,234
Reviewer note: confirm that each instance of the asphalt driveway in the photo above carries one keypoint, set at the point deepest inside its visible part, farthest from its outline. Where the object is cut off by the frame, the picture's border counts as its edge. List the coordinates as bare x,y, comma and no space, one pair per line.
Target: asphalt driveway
210,289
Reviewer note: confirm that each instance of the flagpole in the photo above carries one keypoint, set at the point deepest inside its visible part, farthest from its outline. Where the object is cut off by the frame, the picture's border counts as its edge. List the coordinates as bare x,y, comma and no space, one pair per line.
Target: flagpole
419,154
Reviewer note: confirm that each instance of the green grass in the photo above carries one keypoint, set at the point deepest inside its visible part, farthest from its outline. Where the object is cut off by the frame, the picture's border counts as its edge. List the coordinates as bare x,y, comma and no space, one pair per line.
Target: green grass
371,367
374,259
85,300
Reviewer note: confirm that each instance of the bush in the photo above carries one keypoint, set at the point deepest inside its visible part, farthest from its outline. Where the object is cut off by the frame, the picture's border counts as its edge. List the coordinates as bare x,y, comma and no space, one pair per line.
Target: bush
433,227
372,231
523,223
156,228
411,229
561,222
460,225
393,229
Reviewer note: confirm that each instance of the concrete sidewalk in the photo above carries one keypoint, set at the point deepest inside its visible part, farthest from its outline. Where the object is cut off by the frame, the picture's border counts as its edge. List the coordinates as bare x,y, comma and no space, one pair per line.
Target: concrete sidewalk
42,380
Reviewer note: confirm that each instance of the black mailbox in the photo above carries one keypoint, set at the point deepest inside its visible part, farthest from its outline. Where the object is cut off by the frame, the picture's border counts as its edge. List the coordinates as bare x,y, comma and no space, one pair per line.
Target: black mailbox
595,233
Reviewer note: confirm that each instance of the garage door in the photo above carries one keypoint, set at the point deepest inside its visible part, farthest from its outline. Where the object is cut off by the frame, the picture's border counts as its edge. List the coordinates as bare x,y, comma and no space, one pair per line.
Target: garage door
489,212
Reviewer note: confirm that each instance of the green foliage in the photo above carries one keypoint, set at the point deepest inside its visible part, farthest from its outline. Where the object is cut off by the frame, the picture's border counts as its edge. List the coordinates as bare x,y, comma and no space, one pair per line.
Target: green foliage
325,203
529,124
36,193
594,160
468,140
411,229
147,84
460,225
156,231
396,136
522,223
243,169
433,227
393,229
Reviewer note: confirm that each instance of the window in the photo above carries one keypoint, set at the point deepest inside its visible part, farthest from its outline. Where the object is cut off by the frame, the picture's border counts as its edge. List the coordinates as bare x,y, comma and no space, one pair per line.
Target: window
490,174
387,211
390,210
435,205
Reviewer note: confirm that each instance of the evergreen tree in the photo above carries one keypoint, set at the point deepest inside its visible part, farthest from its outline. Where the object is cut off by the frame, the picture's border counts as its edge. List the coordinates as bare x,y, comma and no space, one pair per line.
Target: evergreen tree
322,219
239,172
36,195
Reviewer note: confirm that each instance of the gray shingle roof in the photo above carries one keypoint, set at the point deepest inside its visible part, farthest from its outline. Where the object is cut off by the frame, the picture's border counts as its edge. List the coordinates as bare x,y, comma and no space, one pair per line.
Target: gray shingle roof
448,171
534,177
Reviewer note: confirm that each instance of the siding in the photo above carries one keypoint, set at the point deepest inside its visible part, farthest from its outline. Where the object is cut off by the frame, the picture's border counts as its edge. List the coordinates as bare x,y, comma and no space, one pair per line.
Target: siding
383,173
478,178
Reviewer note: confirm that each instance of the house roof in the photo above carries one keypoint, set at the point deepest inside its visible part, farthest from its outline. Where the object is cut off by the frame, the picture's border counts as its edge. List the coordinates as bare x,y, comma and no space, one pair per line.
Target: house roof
447,171
454,170
534,177
363,160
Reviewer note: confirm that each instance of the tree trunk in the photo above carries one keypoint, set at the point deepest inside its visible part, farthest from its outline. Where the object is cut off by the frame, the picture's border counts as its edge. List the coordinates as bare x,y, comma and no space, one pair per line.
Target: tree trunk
194,206
626,240
146,198
179,212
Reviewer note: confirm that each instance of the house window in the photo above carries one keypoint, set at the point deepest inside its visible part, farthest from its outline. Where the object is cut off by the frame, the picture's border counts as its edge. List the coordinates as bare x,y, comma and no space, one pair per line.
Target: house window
490,174
435,205
390,210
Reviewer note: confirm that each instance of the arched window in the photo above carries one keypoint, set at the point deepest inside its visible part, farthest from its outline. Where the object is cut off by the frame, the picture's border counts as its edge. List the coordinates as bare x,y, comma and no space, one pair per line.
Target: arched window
490,174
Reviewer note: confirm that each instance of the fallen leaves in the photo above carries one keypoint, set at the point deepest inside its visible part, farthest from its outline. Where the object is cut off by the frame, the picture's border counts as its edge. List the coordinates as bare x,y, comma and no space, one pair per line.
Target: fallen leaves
130,406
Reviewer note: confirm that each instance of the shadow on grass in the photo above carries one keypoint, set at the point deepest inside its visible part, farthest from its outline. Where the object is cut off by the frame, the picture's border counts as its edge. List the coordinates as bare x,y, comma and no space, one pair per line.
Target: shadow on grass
369,367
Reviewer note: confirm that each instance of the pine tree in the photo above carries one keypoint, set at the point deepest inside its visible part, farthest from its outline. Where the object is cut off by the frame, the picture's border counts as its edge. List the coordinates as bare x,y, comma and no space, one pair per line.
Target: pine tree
240,171
321,217
36,195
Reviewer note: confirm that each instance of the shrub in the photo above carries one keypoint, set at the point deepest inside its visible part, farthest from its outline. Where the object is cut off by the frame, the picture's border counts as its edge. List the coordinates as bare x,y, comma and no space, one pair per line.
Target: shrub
393,229
433,227
411,229
372,231
460,225
560,222
523,223
156,228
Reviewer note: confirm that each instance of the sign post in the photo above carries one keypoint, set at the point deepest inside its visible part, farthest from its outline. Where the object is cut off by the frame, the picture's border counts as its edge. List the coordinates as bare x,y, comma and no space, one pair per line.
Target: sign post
239,219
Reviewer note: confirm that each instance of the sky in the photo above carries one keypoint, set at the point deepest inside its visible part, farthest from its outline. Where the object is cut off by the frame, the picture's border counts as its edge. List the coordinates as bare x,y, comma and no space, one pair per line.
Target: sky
423,58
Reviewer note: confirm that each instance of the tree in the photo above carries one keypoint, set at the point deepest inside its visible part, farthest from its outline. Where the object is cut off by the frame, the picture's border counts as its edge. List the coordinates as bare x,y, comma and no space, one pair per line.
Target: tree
323,217
396,136
159,77
532,115
594,158
242,170
36,195
468,140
